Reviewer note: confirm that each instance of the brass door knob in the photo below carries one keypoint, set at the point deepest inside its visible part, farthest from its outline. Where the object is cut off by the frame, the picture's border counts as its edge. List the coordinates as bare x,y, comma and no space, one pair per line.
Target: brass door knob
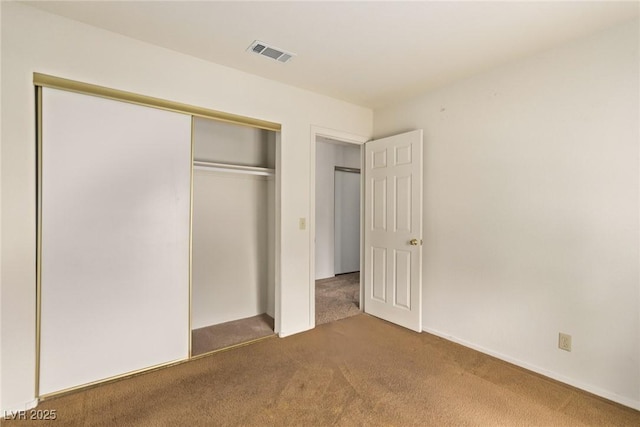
414,242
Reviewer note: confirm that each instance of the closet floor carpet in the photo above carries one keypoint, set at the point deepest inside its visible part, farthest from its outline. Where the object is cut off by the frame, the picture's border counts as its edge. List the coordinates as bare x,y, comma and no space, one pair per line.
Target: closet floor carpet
210,338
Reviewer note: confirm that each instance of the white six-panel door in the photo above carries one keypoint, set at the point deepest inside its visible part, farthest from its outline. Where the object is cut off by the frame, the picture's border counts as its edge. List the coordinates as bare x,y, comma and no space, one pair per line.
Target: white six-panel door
393,229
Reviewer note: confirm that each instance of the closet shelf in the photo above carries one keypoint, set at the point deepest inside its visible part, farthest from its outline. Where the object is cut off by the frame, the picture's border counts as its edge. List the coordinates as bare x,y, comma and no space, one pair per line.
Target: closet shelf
224,167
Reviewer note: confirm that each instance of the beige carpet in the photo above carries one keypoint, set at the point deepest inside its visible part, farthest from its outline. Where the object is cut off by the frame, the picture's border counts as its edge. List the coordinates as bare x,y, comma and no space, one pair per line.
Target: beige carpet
210,338
360,371
337,297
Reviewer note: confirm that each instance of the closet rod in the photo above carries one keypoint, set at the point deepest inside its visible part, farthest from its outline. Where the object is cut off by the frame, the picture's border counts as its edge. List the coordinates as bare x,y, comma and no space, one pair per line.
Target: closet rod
224,167
345,169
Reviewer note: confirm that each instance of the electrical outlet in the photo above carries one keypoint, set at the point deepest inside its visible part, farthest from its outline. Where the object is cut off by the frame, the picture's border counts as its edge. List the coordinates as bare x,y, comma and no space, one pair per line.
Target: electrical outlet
302,224
564,342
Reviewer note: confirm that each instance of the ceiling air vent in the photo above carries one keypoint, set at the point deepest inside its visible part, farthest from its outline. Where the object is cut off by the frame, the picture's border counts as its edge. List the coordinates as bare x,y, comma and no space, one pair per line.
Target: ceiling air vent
270,51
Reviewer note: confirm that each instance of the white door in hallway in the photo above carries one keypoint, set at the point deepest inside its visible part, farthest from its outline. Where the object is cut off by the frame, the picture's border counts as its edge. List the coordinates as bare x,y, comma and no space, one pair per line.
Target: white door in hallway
347,221
393,229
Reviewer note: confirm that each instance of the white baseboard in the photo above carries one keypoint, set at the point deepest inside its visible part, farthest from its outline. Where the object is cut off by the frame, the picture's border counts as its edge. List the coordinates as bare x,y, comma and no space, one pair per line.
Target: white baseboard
9,412
635,404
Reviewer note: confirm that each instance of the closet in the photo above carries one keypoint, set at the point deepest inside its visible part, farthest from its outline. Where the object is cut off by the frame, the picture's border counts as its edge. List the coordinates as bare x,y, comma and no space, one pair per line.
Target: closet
156,232
233,286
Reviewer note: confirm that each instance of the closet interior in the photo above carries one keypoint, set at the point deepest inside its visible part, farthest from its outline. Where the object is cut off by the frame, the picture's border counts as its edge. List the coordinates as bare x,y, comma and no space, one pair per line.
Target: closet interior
233,235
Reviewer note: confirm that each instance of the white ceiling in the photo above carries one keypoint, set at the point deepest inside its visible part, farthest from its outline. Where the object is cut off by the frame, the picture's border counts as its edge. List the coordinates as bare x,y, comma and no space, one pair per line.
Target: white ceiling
367,53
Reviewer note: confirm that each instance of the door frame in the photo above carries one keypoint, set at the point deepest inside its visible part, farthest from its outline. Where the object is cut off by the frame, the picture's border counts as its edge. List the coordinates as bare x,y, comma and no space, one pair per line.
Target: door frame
340,136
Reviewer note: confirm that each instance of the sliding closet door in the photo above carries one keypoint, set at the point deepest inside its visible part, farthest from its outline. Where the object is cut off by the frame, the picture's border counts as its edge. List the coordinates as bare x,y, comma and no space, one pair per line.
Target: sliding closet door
346,222
115,238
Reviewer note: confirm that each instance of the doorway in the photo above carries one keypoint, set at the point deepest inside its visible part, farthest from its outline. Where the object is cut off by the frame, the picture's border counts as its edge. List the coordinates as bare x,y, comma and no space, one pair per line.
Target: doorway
337,229
390,272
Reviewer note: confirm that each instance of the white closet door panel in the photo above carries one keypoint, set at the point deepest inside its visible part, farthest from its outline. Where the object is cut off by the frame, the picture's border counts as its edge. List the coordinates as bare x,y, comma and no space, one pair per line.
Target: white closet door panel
115,238
347,222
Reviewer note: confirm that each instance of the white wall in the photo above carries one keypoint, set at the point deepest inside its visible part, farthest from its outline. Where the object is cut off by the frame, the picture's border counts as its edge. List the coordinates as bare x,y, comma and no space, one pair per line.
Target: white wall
531,211
229,143
230,248
35,41
328,156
